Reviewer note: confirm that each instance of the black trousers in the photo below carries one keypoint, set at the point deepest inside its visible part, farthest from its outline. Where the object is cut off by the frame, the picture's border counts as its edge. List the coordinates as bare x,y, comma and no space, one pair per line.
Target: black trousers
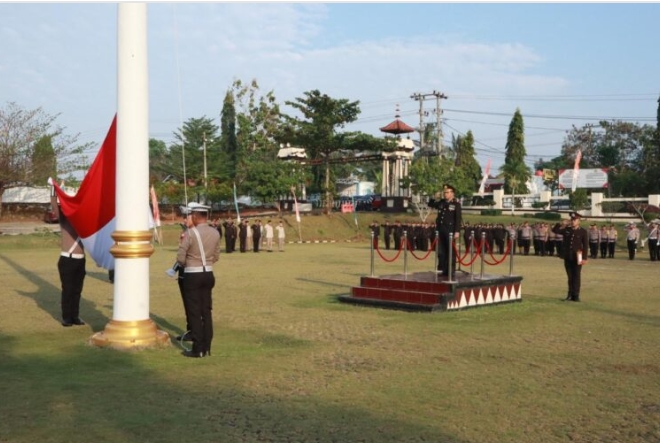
610,249
183,298
72,275
198,287
443,253
632,248
653,249
603,249
256,240
387,242
573,272
593,249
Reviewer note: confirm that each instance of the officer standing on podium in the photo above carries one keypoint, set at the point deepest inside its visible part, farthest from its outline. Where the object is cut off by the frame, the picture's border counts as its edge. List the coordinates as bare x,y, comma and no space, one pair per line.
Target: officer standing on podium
448,221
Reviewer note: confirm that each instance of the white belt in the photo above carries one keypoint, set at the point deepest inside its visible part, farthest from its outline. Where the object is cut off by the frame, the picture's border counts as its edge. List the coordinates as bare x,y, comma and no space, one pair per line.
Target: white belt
198,269
78,256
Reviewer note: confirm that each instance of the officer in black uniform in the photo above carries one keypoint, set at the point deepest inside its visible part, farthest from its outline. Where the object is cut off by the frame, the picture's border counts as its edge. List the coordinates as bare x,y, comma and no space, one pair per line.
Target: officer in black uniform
448,221
574,250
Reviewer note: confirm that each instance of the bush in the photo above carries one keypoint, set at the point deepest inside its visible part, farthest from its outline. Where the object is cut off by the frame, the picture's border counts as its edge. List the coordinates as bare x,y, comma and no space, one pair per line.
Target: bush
539,205
491,212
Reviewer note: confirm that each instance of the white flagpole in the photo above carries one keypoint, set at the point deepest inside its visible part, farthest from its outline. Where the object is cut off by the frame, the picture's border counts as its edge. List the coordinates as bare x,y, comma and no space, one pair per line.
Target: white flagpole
131,326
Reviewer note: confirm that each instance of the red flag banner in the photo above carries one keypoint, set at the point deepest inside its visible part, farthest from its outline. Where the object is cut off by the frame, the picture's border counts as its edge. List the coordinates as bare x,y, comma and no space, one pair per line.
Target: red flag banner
92,210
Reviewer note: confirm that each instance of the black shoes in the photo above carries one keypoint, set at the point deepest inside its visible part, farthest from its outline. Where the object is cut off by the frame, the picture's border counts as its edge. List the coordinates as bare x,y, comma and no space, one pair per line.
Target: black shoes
196,354
67,323
76,321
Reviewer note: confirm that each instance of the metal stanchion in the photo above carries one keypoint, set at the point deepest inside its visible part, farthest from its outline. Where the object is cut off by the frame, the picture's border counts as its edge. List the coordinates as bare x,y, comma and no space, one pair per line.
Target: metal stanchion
405,253
483,247
436,262
372,253
512,250
472,252
450,258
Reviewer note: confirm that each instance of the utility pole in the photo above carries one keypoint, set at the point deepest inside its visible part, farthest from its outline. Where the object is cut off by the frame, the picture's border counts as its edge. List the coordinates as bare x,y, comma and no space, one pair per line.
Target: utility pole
206,185
438,123
420,98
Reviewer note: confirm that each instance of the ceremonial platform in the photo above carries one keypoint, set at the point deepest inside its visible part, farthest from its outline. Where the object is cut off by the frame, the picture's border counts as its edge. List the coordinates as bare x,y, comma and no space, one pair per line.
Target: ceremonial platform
427,291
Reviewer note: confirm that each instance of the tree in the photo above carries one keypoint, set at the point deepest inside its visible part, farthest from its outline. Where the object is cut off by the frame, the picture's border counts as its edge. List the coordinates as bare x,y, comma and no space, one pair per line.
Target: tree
198,140
257,127
516,173
466,158
625,148
44,163
317,132
21,131
158,161
228,140
427,177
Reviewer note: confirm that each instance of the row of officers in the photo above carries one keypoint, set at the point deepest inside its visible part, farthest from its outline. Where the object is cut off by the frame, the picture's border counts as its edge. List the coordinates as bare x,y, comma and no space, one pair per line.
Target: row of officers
529,238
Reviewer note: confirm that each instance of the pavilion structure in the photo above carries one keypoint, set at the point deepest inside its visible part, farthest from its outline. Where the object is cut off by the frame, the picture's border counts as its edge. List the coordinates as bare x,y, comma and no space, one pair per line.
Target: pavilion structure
396,166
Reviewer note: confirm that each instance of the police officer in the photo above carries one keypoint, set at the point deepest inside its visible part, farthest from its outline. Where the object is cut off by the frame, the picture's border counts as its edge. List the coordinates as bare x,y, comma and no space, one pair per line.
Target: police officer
71,267
574,249
448,221
196,254
594,240
632,237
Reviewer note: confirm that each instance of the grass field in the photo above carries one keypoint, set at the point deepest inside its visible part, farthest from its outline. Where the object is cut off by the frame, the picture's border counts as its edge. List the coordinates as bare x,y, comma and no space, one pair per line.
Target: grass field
292,364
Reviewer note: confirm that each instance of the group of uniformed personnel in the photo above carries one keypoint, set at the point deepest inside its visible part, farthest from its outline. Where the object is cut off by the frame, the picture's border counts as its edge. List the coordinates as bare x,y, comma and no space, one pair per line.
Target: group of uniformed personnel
251,235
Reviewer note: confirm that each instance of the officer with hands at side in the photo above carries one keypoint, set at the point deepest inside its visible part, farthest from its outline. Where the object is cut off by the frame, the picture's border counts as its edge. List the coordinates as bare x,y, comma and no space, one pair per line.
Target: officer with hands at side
574,251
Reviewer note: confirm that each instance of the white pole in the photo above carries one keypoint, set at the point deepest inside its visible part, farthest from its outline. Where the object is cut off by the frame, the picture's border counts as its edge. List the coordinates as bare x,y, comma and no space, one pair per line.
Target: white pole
130,325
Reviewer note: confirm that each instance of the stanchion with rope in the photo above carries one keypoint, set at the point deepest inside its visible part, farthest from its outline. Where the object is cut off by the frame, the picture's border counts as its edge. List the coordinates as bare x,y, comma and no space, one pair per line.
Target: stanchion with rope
405,253
412,252
495,261
436,262
472,255
372,253
481,254
513,251
450,257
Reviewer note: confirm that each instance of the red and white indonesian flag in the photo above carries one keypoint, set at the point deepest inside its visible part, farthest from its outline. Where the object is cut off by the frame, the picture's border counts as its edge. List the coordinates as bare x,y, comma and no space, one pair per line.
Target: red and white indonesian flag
92,210
576,170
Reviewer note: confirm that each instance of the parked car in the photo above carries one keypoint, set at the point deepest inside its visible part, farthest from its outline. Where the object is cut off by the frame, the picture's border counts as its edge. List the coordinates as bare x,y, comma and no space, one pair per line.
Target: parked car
50,217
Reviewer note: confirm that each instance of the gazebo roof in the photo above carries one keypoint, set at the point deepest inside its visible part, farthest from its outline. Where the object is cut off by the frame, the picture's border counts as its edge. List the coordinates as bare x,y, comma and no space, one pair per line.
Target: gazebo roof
397,127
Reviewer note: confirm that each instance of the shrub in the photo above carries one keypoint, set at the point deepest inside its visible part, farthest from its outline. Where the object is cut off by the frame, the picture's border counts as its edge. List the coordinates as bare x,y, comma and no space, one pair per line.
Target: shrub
491,212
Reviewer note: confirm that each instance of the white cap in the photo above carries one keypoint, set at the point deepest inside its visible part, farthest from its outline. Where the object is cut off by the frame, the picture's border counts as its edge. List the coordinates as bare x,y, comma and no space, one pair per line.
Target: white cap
196,207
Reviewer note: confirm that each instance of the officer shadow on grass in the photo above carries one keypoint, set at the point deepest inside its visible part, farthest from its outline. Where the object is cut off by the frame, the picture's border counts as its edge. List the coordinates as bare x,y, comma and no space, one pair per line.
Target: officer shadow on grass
76,393
47,296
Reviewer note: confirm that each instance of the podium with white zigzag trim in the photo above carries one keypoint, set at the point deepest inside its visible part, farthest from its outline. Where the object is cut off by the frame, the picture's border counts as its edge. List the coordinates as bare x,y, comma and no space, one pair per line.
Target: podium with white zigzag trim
425,291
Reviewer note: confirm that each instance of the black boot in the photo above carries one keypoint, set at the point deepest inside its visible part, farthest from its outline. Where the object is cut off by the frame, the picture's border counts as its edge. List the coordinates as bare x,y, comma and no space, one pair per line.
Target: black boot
576,298
568,297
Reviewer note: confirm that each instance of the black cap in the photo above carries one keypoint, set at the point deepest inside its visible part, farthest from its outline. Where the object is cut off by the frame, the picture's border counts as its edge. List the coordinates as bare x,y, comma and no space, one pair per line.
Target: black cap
449,187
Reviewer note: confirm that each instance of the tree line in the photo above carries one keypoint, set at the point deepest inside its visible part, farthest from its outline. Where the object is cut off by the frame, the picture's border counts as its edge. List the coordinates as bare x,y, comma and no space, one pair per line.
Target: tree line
242,152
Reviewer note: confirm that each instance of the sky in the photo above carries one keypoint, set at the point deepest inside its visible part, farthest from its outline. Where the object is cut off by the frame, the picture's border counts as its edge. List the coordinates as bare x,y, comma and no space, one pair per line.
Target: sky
561,64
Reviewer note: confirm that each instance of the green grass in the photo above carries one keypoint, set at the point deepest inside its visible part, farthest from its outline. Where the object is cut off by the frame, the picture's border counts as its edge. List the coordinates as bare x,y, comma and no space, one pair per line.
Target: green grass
292,364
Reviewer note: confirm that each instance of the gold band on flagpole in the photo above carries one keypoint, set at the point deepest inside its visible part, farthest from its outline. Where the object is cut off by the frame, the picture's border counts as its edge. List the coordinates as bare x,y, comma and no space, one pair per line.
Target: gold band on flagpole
132,244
